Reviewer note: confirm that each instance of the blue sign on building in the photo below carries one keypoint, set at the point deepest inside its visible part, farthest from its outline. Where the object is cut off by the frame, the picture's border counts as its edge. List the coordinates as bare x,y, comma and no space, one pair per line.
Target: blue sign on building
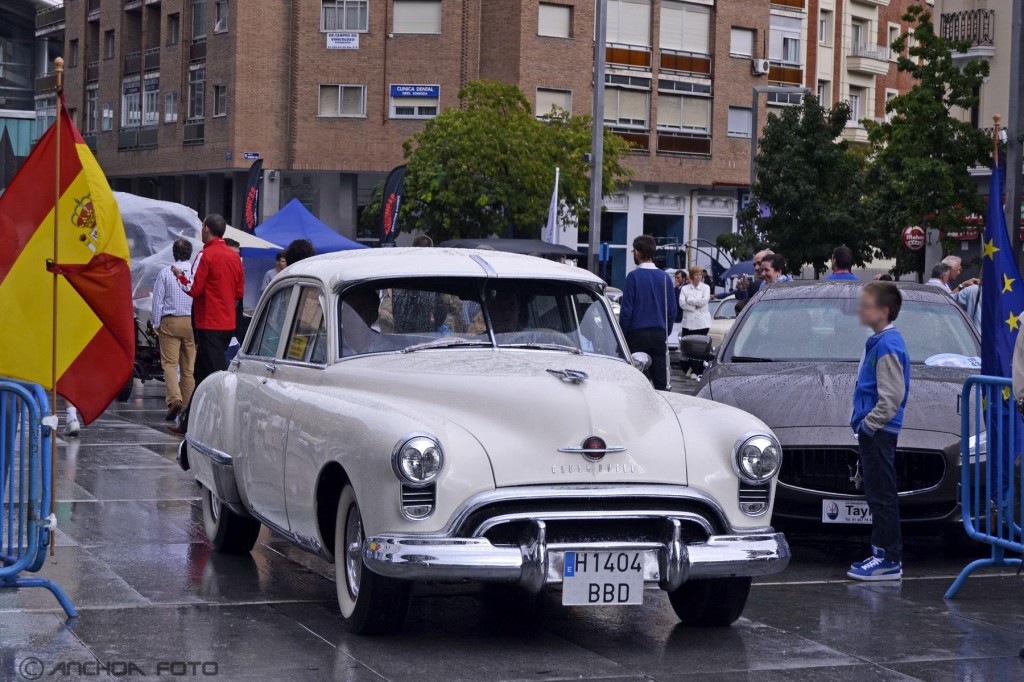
415,90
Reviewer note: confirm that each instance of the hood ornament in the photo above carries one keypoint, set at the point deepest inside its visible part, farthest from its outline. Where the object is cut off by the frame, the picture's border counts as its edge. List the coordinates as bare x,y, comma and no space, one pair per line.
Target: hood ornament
593,448
569,376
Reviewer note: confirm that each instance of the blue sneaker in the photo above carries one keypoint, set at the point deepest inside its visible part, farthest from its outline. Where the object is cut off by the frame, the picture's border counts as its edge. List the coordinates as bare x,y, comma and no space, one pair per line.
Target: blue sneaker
876,553
877,568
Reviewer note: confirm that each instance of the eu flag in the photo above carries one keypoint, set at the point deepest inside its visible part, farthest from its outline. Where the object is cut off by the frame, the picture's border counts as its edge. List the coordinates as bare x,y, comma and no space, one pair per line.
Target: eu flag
1002,291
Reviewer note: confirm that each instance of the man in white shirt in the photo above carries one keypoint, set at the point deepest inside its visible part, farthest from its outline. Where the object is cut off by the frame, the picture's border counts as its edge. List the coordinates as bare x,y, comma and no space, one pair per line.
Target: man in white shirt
172,319
940,277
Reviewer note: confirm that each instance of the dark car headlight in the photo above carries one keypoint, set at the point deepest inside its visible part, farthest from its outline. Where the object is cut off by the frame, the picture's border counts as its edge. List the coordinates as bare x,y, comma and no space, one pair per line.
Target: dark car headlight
757,457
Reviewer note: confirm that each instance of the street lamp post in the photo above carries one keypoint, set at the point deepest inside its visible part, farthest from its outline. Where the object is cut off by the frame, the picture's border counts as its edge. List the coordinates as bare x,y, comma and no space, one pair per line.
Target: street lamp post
1015,126
597,135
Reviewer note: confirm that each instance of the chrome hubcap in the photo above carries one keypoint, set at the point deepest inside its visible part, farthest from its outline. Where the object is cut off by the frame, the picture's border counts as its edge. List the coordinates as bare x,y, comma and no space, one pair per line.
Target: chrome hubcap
214,507
353,550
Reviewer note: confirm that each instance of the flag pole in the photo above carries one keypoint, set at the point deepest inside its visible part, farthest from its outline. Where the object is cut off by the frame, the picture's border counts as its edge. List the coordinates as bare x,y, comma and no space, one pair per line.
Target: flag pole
996,120
59,68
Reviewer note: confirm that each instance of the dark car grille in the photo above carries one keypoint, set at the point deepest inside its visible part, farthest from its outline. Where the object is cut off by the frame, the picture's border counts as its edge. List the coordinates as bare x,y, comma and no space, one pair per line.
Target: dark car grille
836,471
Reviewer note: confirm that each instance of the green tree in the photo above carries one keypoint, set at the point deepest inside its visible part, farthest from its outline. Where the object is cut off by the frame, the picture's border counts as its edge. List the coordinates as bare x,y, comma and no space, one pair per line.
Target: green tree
812,182
489,167
922,153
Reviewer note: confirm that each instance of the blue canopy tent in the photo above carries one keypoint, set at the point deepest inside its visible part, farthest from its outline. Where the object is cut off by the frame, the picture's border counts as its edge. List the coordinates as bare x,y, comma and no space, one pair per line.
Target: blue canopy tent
295,222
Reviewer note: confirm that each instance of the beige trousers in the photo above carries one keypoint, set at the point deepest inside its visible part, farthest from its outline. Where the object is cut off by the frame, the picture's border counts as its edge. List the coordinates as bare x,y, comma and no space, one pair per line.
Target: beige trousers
177,351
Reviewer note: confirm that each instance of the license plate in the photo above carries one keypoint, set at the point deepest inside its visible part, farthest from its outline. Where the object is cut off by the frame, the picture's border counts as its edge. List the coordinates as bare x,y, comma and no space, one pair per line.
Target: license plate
602,578
845,511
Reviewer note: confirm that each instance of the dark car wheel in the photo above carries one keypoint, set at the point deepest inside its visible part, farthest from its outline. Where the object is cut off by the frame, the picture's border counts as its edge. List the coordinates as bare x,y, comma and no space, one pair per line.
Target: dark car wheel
372,604
228,532
715,602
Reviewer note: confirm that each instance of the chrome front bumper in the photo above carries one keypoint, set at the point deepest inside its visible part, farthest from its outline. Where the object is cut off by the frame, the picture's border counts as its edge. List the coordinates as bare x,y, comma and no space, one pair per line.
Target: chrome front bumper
536,563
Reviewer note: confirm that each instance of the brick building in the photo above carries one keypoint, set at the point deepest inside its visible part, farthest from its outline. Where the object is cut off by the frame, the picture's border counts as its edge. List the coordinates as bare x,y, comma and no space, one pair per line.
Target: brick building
176,96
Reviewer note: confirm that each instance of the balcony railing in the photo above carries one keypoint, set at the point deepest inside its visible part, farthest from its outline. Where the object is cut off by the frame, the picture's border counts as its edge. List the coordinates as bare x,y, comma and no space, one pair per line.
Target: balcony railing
46,82
137,138
788,74
92,72
690,144
639,140
151,59
628,55
879,52
94,9
686,62
197,50
132,63
90,140
797,4
973,26
50,17
195,133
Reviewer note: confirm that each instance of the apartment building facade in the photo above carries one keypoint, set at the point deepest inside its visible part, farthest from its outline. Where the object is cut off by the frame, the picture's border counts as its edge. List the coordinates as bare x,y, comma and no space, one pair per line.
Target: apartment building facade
178,96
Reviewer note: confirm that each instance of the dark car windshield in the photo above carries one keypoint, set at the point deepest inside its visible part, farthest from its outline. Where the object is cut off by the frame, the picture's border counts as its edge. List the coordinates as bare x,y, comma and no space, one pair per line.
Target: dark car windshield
827,329
425,314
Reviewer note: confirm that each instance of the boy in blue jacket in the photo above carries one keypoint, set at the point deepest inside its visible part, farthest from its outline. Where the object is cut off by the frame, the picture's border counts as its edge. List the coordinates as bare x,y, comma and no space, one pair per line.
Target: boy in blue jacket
883,384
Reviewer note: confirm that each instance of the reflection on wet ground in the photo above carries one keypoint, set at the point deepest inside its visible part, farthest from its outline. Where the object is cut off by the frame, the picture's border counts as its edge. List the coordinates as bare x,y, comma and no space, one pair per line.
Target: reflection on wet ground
133,557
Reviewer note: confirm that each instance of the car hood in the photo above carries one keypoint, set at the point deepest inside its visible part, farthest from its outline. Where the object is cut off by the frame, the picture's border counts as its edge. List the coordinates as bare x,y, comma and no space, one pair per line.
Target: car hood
521,412
794,394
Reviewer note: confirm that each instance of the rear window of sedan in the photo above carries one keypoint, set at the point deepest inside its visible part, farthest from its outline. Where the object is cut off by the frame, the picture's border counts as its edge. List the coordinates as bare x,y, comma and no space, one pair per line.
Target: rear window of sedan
825,330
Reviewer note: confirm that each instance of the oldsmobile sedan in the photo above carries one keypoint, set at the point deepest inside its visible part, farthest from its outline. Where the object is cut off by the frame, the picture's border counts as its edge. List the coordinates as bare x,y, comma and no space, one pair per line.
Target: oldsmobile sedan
459,416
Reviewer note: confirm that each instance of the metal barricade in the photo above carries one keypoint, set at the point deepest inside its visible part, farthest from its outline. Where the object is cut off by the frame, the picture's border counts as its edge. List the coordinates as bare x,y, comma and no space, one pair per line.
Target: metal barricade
27,521
991,492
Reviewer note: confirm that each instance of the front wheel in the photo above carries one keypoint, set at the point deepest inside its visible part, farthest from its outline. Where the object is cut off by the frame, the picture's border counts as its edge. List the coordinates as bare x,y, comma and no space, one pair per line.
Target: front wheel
228,532
372,604
714,602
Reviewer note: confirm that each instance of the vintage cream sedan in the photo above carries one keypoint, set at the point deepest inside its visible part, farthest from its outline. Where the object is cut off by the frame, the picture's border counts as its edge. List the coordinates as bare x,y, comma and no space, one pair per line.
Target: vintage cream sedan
459,416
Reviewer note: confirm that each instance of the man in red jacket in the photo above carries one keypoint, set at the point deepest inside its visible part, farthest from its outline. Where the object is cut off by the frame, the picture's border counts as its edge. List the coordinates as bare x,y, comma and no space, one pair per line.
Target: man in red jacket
217,284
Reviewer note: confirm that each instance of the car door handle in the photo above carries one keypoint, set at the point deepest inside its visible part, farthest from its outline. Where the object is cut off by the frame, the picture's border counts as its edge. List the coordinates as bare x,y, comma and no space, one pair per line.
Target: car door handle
271,367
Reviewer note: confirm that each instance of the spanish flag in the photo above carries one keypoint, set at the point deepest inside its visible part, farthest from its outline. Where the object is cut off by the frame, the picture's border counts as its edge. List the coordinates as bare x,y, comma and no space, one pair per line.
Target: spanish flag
94,320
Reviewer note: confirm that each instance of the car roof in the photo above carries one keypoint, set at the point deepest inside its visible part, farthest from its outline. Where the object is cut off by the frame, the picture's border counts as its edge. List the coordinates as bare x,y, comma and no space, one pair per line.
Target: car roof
345,267
848,289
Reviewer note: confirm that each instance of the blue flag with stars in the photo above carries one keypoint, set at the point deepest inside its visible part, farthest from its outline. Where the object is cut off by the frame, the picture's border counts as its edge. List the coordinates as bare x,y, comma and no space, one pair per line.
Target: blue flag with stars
1002,292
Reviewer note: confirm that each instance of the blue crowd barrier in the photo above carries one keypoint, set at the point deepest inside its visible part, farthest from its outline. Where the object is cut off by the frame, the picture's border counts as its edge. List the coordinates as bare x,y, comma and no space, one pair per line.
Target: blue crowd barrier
991,490
27,521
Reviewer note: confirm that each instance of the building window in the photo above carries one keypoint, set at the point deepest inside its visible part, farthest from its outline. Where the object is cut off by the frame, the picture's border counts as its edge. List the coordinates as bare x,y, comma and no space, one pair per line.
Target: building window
171,107
345,101
554,21
173,29
629,22
131,104
220,100
548,99
890,95
895,31
856,102
741,42
107,121
741,122
73,53
344,15
681,112
824,93
108,45
686,28
417,16
196,93
784,40
626,108
220,16
858,34
198,20
151,102
415,101
91,110
825,27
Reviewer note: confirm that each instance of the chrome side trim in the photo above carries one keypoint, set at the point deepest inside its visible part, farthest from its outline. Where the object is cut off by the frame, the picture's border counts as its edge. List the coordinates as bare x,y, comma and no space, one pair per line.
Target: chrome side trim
676,518
580,450
218,456
847,496
482,262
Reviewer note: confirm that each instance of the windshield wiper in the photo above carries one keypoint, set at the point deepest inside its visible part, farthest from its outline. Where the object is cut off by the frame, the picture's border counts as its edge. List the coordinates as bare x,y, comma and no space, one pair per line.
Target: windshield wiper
748,358
543,346
445,342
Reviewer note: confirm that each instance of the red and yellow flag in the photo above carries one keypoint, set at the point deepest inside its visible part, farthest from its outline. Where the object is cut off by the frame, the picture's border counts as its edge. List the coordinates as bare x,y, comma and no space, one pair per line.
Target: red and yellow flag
94,324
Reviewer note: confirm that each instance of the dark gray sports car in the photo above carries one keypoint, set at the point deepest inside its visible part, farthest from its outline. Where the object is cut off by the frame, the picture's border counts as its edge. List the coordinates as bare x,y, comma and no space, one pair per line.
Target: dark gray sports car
792,359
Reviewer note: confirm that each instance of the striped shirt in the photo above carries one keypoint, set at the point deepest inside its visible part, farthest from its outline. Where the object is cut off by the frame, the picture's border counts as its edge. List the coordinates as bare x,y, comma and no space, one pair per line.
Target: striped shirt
168,298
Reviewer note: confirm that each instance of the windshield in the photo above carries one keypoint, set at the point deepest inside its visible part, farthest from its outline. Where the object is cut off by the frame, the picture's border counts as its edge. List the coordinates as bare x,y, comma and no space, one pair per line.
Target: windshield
827,329
403,315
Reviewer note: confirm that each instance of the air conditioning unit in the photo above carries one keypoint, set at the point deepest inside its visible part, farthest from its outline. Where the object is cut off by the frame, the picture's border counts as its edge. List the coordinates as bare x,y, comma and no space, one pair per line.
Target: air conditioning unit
760,67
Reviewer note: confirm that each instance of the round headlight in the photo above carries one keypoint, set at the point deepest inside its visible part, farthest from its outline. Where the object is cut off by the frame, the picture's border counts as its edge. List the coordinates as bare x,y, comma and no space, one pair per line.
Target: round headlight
418,460
758,458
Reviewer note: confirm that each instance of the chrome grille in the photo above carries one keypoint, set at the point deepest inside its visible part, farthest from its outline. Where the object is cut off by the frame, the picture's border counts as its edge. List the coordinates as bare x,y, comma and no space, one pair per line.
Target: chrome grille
837,470
418,502
754,498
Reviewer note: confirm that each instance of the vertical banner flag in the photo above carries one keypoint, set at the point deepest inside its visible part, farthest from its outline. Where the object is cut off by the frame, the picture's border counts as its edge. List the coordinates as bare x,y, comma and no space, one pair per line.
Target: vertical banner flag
252,197
94,324
553,228
391,204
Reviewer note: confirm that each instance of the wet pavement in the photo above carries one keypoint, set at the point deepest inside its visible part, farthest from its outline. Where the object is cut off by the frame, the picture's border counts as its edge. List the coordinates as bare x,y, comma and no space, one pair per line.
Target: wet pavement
156,601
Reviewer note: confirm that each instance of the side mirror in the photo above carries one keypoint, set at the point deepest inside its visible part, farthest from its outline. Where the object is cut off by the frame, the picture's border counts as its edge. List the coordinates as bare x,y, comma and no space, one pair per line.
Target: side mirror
641,361
697,347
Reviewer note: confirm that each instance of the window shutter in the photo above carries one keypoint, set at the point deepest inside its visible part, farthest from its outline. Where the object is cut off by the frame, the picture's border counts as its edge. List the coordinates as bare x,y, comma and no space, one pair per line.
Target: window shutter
554,21
549,98
696,113
696,30
417,16
671,26
633,105
742,42
670,110
328,101
633,24
351,101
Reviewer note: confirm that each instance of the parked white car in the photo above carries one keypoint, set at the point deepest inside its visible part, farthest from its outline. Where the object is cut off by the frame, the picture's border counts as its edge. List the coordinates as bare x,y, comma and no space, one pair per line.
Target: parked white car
474,416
